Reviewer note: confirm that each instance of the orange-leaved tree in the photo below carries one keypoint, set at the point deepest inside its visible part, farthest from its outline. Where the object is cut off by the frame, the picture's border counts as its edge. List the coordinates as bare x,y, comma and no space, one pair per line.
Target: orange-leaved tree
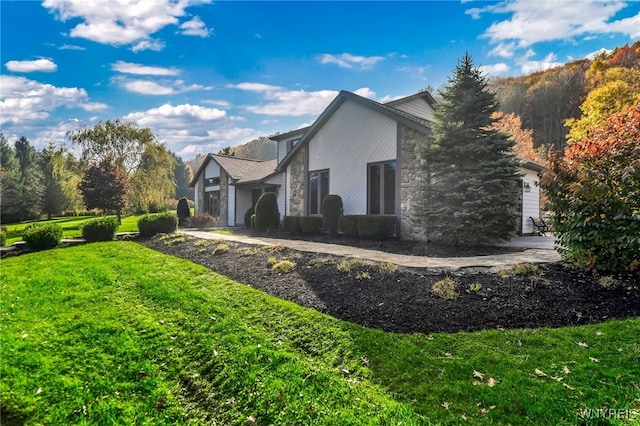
594,195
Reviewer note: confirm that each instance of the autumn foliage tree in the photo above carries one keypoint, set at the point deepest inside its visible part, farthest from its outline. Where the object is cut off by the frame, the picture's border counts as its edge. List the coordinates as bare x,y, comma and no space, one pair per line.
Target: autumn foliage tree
594,195
105,186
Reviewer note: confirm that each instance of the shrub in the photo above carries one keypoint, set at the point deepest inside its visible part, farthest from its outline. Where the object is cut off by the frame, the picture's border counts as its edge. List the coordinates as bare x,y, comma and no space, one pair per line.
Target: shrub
183,211
310,224
201,220
348,225
283,267
348,264
267,213
220,249
377,227
445,288
155,223
291,224
247,217
3,238
331,212
593,195
42,236
100,229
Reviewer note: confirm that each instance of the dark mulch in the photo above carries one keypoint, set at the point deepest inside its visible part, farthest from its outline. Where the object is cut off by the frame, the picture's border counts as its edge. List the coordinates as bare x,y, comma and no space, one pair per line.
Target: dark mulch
402,301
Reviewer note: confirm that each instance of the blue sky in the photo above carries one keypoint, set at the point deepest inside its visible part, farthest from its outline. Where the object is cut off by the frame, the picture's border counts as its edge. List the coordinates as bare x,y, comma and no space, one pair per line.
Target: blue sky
204,75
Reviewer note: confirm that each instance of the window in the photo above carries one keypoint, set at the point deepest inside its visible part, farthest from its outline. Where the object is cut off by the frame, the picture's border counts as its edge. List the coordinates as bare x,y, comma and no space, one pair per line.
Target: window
382,188
318,187
291,144
213,181
212,203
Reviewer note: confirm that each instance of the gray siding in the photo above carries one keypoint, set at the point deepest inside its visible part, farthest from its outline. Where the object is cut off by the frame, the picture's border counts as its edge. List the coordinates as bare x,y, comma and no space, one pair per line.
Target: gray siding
530,200
418,107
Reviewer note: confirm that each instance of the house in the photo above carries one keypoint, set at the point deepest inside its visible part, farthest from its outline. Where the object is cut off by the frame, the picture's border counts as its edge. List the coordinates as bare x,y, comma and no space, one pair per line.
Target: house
367,152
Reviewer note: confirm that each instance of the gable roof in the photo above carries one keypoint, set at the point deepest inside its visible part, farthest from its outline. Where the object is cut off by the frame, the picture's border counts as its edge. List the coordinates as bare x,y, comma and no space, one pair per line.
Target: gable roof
424,94
241,170
410,120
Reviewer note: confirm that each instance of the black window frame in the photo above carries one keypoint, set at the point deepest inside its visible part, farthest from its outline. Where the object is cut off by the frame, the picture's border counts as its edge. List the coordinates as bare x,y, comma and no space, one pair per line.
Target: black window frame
386,202
317,203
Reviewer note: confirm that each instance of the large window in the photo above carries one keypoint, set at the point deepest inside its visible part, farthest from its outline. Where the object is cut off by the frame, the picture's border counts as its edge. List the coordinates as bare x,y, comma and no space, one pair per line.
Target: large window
318,187
382,188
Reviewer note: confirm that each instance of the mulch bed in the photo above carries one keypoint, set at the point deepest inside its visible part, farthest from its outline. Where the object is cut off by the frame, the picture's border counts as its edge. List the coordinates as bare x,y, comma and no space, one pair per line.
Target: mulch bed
402,301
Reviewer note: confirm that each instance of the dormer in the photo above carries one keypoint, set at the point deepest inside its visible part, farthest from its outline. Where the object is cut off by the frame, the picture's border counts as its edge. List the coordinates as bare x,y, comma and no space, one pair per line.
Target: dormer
420,104
286,141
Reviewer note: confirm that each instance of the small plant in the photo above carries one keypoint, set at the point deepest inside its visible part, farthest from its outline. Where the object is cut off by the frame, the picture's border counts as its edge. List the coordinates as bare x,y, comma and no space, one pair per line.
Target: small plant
283,267
276,248
220,249
3,237
526,269
100,229
364,275
332,209
251,251
272,261
183,211
202,243
608,281
348,264
174,239
42,236
201,221
387,267
446,288
475,287
155,223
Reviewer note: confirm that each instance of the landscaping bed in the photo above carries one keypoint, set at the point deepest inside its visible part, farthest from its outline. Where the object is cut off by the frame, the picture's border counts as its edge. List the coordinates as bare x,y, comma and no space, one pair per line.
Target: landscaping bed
402,300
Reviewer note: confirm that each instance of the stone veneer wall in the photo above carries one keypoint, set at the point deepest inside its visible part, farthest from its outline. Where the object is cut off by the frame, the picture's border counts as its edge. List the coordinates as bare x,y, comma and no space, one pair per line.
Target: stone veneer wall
199,193
412,144
297,180
224,198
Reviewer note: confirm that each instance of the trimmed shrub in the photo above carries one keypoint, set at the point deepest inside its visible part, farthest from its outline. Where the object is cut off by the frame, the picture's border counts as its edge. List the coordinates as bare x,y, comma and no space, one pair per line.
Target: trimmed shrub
42,236
155,223
183,211
247,217
3,238
267,213
310,224
348,225
100,229
331,212
291,224
377,227
201,220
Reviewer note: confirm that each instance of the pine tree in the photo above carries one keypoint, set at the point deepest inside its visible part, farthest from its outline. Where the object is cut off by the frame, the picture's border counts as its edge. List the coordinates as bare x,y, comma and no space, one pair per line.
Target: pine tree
471,190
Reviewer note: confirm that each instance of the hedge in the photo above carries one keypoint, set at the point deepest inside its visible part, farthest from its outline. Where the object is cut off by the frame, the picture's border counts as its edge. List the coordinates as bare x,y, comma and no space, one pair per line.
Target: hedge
291,224
348,225
310,224
154,223
100,229
377,227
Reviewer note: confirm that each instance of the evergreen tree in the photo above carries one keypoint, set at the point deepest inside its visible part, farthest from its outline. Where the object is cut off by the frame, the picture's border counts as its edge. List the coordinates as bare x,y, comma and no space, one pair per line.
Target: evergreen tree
471,186
10,189
53,198
30,179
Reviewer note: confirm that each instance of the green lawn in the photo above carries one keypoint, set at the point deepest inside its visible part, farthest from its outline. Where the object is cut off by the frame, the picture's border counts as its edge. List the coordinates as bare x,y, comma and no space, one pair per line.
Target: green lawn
114,333
70,226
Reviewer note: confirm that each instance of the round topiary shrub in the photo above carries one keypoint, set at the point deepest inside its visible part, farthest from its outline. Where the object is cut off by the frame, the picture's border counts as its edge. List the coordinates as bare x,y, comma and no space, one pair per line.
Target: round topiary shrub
331,212
183,211
348,225
247,217
42,236
155,223
100,229
267,213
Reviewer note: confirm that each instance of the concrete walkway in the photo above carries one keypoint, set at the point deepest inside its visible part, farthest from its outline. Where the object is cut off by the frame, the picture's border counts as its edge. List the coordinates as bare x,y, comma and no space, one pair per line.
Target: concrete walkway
493,262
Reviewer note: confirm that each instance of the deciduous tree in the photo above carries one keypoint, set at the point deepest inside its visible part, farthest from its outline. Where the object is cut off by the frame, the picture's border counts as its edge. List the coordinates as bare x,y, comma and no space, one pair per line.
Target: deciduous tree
105,186
471,191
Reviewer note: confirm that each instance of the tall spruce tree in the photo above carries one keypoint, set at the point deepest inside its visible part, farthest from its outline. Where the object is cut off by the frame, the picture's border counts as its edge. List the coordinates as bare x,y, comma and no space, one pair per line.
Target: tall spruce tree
471,173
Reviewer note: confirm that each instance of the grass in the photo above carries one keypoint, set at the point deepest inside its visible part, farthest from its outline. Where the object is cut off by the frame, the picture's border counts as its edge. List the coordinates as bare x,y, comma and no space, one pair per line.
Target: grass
89,336
71,226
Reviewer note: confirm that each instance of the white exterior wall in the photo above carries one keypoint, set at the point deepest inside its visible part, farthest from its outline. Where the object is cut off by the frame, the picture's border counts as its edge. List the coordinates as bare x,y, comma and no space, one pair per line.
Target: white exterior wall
418,107
353,137
279,179
282,146
530,200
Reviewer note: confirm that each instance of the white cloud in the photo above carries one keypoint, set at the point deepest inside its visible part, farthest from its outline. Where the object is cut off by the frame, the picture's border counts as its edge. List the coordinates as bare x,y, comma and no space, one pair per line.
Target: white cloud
42,65
285,102
119,22
598,52
532,22
23,100
217,102
365,92
528,66
167,112
417,73
71,47
148,44
160,87
495,69
504,50
347,60
195,27
138,69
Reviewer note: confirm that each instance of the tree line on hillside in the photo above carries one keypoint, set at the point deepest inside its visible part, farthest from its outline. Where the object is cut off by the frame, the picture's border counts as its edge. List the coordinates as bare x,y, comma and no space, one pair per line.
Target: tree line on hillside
121,168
